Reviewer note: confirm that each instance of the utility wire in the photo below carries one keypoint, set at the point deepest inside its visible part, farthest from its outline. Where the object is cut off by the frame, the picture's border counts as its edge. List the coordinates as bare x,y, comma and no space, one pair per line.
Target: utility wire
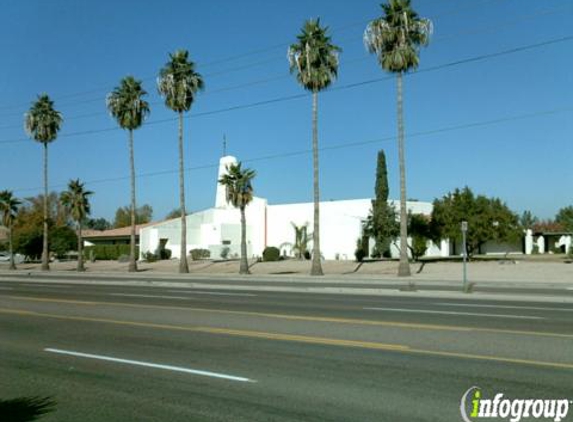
244,55
332,89
474,31
339,146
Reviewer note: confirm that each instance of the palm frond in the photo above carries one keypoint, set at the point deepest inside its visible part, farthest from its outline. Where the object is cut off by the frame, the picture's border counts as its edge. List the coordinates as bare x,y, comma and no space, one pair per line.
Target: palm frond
314,59
396,36
126,104
178,82
42,122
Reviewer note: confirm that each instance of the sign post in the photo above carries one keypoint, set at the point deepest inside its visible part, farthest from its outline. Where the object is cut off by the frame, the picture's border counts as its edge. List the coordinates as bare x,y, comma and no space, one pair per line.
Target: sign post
465,256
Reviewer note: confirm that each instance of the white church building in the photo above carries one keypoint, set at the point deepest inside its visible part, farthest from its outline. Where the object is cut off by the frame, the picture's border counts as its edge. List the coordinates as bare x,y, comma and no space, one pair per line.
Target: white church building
219,228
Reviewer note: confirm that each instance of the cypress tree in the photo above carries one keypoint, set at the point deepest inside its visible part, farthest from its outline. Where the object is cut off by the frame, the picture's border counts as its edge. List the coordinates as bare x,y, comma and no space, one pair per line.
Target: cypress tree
384,226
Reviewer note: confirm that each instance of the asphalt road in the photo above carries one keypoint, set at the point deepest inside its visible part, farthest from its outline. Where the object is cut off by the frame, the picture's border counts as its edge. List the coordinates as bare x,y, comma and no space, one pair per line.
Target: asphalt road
118,353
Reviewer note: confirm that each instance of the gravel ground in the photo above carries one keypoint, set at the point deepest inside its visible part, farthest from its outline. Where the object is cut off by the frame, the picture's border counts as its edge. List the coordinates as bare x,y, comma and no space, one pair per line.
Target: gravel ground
523,270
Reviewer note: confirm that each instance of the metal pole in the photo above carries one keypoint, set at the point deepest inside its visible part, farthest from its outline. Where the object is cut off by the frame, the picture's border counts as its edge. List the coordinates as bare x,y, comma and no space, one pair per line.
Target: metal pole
465,255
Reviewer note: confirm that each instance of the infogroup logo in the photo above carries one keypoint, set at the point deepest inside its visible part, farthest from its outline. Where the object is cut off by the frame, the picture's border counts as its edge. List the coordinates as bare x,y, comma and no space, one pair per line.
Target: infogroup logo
475,407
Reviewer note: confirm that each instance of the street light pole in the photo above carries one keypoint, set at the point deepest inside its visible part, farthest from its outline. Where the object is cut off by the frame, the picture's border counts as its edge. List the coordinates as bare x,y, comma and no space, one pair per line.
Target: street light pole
465,255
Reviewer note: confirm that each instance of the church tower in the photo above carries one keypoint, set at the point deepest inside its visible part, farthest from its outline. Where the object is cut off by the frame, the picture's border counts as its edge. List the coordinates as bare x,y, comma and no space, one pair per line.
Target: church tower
221,197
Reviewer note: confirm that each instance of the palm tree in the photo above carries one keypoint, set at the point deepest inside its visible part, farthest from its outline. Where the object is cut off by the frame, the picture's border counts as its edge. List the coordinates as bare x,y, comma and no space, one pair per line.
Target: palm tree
76,201
8,208
127,106
300,240
178,83
42,123
314,59
239,189
395,38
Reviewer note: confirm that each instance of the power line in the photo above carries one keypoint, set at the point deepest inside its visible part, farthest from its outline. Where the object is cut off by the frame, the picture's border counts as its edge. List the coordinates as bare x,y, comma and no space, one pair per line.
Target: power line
345,145
474,31
240,56
481,57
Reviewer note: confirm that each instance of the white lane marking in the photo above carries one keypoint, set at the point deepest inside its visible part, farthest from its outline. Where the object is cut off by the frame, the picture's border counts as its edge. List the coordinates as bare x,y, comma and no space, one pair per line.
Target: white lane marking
425,311
6,288
151,296
569,288
150,365
197,292
532,308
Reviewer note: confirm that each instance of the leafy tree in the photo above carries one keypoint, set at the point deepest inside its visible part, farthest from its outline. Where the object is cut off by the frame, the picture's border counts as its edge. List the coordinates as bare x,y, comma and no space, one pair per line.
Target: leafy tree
63,240
239,192
564,217
127,106
42,123
314,59
76,200
178,83
382,223
8,208
421,230
28,226
489,219
143,215
528,220
98,224
395,38
174,213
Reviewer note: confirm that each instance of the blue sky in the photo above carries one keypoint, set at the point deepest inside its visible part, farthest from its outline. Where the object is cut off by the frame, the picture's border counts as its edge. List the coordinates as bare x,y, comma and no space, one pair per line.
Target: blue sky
513,112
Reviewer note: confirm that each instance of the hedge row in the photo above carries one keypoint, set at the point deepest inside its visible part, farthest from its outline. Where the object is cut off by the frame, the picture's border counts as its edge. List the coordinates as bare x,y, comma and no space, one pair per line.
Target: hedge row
108,252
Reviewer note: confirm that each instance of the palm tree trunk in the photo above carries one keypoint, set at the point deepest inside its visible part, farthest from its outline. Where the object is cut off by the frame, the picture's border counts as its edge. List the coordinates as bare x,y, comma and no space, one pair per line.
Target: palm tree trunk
45,257
11,248
132,260
80,248
244,268
183,267
404,266
316,268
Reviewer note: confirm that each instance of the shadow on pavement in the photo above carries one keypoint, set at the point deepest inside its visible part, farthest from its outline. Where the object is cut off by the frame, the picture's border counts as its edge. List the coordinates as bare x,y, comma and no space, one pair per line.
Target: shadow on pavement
25,409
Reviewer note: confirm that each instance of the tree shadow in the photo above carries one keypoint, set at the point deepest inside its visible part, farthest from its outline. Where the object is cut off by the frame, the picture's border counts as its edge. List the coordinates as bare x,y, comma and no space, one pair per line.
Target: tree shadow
24,409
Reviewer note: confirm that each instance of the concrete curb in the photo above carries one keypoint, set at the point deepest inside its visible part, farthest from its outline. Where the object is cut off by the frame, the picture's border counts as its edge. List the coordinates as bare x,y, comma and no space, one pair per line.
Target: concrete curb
379,292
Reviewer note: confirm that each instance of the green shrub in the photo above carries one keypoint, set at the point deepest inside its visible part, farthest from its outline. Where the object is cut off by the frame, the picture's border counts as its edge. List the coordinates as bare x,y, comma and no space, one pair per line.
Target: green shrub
271,254
108,252
150,257
225,252
165,254
419,247
360,252
197,254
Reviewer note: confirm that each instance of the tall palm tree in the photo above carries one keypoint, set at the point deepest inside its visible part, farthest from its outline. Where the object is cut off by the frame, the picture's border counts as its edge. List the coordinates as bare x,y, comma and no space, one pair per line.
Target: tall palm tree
42,123
314,59
8,208
395,38
127,106
76,201
239,188
178,83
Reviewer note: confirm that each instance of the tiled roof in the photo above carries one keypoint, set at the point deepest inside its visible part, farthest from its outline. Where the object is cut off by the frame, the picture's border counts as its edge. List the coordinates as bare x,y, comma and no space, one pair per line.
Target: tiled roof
112,233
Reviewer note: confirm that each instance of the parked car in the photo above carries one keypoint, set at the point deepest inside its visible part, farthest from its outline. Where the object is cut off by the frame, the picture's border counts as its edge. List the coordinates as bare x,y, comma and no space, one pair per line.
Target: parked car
5,257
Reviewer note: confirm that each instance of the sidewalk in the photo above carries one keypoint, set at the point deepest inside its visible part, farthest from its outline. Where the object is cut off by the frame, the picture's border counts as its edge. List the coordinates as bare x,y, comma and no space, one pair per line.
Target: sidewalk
550,282
526,273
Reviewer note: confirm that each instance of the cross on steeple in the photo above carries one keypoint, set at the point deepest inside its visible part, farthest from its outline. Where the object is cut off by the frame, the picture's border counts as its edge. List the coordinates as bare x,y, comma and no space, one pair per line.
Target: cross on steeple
224,145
